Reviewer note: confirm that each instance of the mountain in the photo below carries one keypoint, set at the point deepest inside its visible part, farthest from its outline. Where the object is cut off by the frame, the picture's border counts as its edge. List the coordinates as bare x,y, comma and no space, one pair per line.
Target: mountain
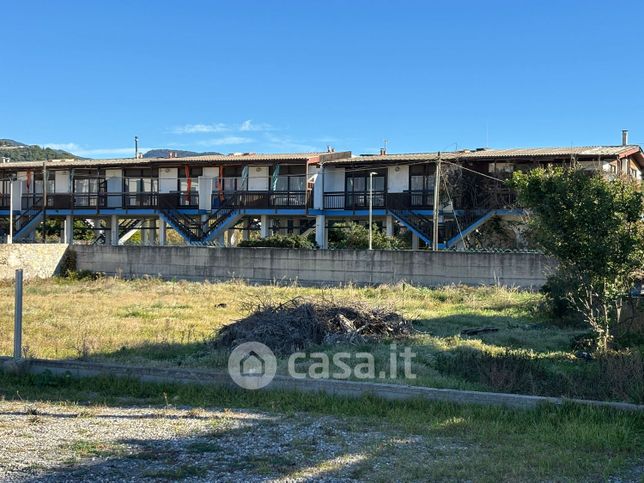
165,153
16,151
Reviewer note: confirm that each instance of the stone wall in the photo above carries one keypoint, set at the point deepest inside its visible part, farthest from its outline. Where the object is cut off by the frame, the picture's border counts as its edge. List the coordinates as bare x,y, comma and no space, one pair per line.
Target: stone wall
316,267
37,260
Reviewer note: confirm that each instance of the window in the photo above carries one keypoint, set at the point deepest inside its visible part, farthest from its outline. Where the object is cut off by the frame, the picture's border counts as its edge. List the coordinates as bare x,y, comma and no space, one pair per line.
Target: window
192,174
357,188
288,178
231,180
51,182
421,177
136,180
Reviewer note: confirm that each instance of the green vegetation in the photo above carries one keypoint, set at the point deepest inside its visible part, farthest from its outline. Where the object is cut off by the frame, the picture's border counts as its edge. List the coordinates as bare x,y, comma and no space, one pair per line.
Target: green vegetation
167,323
566,443
280,241
356,236
594,227
20,152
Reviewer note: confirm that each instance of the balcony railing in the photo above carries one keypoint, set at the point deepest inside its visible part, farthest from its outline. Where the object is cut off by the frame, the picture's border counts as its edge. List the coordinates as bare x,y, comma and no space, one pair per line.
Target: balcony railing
261,199
341,200
5,201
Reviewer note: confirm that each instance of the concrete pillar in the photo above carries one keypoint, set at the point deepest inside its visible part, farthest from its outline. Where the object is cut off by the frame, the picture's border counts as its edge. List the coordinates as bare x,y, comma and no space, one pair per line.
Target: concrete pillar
389,222
320,231
414,241
246,229
114,230
162,232
152,236
230,238
265,231
69,229
97,228
145,235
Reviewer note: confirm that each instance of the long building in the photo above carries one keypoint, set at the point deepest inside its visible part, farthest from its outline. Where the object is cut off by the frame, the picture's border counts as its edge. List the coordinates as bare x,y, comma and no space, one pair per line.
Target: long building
224,198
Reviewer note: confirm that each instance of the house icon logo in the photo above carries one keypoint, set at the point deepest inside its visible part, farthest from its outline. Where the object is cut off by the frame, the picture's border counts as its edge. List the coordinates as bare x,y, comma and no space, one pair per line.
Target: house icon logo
252,365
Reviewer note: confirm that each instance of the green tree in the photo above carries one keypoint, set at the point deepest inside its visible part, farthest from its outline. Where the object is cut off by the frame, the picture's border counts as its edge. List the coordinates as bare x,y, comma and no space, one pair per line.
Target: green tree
593,226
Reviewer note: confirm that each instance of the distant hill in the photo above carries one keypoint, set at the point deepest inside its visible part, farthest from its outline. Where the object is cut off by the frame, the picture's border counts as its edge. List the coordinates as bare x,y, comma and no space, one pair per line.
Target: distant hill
164,153
17,151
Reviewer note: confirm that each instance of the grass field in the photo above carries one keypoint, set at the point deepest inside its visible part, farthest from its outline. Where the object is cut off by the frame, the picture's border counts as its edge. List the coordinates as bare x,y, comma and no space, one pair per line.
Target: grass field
369,439
171,323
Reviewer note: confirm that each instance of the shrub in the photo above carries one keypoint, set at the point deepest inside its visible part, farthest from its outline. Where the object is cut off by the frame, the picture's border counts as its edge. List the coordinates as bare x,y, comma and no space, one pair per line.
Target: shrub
355,236
280,241
611,375
594,227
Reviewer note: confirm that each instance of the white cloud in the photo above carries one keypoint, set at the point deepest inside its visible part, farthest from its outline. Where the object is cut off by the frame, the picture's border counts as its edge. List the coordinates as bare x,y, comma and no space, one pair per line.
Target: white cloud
201,128
64,146
246,126
226,140
251,126
78,150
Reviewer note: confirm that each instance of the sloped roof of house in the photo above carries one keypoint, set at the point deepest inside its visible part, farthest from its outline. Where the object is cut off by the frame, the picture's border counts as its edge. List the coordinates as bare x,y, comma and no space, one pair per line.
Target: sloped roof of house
593,152
219,159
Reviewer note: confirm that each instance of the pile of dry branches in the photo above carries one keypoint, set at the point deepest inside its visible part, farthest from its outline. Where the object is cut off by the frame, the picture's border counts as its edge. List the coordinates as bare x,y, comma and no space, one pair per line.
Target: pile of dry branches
302,322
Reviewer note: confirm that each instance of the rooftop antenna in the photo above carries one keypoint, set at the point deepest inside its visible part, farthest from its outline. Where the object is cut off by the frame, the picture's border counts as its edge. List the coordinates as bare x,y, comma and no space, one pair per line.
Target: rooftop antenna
383,150
487,135
136,147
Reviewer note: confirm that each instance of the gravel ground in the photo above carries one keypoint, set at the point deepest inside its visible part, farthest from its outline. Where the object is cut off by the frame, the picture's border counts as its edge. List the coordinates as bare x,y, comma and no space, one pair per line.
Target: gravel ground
63,442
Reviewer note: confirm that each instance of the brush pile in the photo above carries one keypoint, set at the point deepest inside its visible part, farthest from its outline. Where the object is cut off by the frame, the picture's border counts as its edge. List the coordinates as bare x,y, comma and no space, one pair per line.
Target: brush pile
301,322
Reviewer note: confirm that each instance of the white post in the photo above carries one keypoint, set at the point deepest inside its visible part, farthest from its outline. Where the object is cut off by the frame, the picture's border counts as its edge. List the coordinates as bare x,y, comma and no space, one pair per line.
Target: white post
114,230
17,319
69,230
436,207
390,225
414,241
152,238
320,231
371,209
10,238
265,228
246,229
162,232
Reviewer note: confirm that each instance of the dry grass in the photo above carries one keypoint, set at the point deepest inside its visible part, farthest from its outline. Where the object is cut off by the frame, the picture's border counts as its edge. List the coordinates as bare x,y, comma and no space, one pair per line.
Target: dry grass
168,323
64,318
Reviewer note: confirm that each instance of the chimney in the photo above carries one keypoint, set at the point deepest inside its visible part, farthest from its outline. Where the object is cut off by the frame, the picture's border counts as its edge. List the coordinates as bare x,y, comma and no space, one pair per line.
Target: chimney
624,137
383,151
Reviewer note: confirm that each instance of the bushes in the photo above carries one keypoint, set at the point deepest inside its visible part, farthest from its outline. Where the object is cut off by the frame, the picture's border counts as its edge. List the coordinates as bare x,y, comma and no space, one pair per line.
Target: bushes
616,375
280,241
356,236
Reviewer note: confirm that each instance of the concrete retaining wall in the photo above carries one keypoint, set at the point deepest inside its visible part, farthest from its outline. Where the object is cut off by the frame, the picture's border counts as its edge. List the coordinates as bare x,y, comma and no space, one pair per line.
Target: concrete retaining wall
316,267
37,260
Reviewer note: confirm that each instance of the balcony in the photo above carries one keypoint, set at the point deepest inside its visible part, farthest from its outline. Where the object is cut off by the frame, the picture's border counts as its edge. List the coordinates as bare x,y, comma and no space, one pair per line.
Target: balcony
340,200
260,199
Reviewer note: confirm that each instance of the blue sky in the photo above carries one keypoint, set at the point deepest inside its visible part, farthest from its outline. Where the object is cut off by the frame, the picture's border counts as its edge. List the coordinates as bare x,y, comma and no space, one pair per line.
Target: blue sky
278,76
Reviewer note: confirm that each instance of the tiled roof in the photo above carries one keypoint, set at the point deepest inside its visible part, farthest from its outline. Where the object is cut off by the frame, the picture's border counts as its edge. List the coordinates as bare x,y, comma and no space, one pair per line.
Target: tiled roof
208,159
481,154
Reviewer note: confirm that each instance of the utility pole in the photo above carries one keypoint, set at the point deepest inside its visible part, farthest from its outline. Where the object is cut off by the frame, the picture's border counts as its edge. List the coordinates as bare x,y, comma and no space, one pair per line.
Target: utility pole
371,208
435,208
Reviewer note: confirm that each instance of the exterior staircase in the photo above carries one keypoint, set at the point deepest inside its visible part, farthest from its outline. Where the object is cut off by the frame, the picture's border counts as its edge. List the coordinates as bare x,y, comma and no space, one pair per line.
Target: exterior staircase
26,222
193,229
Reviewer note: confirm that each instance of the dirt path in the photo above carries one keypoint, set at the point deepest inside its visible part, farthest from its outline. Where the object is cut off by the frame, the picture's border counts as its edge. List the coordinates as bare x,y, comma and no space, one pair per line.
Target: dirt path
51,442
